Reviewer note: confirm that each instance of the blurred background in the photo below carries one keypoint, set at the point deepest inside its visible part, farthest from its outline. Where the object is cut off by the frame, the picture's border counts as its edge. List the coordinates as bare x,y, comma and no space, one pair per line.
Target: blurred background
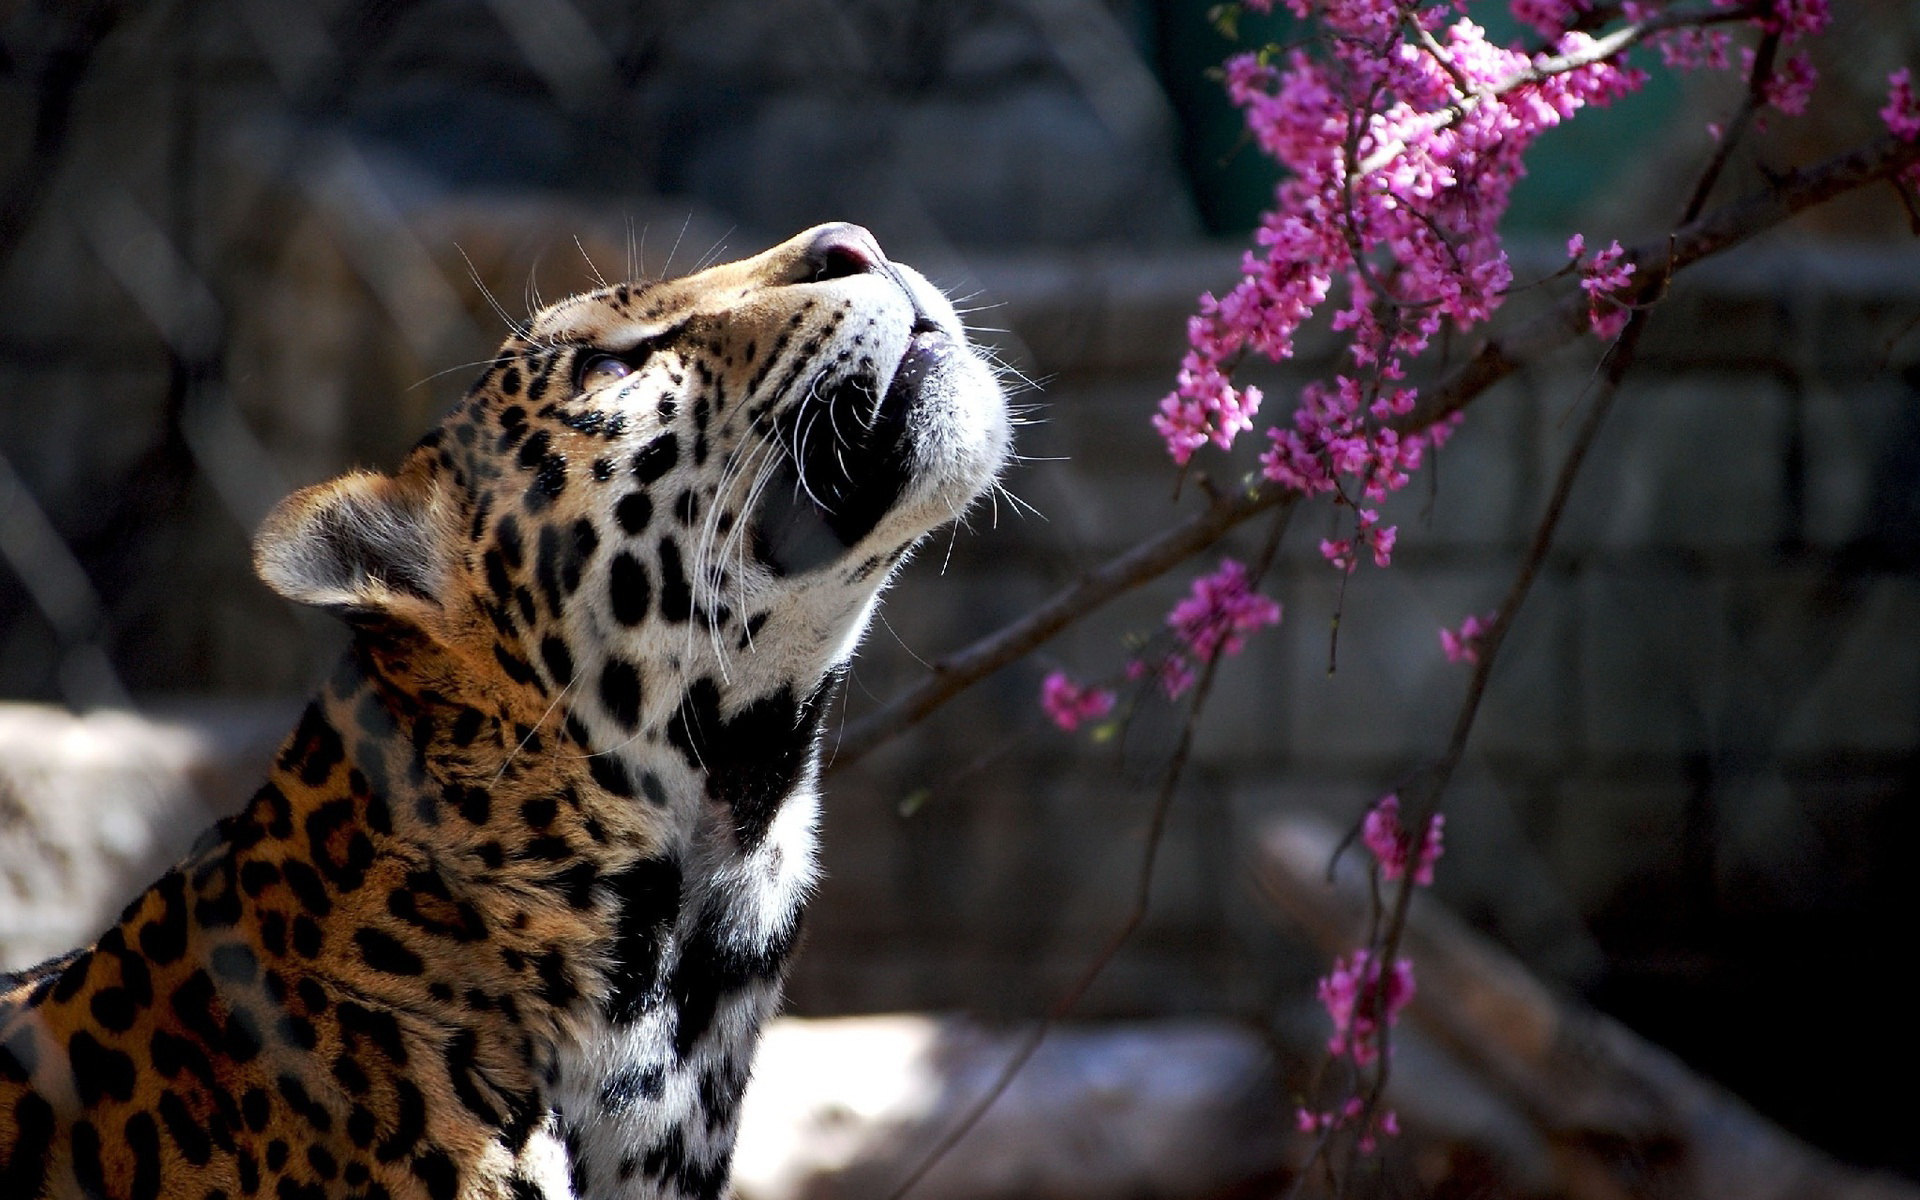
246,244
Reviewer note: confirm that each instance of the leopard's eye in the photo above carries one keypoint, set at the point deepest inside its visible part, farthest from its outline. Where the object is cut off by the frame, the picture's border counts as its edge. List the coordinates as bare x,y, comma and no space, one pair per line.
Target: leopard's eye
598,370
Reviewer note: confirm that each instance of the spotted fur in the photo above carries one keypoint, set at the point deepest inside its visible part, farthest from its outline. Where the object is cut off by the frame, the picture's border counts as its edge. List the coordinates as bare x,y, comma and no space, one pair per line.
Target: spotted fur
519,891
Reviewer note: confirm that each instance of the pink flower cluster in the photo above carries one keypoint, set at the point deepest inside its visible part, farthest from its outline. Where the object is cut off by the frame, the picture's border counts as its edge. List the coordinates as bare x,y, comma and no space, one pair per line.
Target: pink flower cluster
1220,610
1603,277
1695,47
1363,1001
1549,18
1392,845
1387,1124
1216,615
1902,113
1463,645
1401,152
1068,704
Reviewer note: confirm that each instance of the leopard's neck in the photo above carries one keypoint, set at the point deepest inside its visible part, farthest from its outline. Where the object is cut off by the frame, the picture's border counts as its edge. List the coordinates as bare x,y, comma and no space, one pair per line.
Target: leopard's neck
647,893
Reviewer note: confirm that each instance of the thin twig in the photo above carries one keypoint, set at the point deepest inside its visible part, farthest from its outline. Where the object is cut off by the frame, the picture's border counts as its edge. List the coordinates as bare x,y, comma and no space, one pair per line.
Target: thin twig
1718,230
1136,913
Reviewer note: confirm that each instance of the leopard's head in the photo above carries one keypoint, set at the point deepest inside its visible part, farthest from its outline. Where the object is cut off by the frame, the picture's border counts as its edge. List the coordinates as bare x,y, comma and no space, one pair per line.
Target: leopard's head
700,483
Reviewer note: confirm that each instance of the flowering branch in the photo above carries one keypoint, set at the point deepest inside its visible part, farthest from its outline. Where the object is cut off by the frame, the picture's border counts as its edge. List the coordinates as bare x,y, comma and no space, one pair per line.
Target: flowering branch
1377,1004
1725,227
1582,52
1716,231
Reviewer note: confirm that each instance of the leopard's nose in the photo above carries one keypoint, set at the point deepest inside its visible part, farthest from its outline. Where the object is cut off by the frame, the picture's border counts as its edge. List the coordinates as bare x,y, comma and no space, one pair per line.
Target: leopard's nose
837,251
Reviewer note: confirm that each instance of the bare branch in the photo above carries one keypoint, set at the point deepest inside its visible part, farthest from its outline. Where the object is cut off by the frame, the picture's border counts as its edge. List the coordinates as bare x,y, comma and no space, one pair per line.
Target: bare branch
1136,913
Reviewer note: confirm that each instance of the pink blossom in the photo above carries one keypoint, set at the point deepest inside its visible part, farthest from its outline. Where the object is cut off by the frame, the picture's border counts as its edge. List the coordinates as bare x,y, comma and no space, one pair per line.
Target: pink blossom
1692,48
1362,1003
1396,181
1464,645
1067,703
1902,113
1603,277
1391,844
1219,610
1549,18
1796,19
1792,82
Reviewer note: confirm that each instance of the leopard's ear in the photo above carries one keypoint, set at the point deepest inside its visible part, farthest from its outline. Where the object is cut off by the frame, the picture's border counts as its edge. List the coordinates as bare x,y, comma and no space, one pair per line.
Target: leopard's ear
360,546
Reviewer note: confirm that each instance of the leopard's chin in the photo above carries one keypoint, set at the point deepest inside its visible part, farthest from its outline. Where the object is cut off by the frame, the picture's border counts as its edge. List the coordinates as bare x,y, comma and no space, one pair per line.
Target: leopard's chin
853,458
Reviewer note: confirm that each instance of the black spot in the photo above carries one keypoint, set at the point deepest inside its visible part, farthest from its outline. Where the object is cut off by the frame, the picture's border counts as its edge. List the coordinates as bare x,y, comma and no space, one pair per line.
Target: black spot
25,1173
384,953
218,904
255,1108
315,748
510,386
338,846
656,458
306,936
409,1123
188,1137
360,1126
559,663
686,508
276,1154
586,540
602,470
539,812
307,887
629,589
460,1055
649,897
555,980
114,1009
620,692
650,785
548,483
676,596
611,774
517,669
630,1085
466,727
352,1076
323,1163
257,876
99,1071
576,883
634,512
475,803
753,758
88,1171
164,939
435,1169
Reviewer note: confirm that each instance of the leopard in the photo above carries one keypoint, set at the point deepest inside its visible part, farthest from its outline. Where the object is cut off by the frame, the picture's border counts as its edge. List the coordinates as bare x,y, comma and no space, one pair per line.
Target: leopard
518,895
